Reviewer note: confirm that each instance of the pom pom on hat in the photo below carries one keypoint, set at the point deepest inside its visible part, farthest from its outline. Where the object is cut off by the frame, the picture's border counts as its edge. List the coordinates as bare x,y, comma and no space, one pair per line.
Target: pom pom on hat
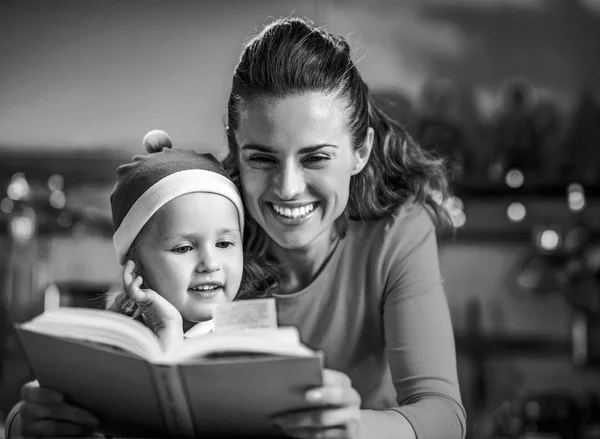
156,141
150,181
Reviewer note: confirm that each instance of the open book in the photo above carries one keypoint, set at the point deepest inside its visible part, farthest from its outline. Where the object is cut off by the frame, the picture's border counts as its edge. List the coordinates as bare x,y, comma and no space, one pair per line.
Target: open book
223,382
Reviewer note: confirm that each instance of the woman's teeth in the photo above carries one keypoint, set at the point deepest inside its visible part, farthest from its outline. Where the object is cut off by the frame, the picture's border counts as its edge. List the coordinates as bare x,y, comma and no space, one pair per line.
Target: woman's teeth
296,212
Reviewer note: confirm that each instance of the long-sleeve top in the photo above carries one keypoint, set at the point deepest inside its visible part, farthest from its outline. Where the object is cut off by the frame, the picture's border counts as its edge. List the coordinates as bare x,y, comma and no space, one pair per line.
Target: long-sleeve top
378,311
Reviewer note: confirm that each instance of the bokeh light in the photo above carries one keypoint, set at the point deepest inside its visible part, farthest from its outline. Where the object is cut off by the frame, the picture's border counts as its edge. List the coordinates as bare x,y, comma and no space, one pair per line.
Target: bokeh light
516,212
514,178
549,240
575,197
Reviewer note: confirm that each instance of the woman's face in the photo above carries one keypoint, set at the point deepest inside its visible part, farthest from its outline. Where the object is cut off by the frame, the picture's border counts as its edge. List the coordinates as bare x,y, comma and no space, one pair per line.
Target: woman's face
296,159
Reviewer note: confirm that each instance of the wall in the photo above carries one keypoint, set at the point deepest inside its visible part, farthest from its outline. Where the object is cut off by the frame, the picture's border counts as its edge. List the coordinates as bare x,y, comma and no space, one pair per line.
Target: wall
86,74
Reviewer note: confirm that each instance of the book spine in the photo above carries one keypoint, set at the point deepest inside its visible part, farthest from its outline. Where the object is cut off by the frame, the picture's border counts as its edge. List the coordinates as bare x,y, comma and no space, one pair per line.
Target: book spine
171,396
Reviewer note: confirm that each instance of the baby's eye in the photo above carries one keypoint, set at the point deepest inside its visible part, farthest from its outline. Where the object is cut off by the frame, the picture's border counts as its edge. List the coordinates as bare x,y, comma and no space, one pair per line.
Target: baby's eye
224,244
182,249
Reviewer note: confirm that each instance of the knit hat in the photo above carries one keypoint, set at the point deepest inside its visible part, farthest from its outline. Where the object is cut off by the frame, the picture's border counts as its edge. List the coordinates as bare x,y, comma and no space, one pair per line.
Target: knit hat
150,181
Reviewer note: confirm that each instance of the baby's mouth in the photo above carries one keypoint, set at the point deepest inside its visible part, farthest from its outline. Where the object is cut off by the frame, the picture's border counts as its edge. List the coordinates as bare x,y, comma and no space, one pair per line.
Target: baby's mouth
207,290
206,287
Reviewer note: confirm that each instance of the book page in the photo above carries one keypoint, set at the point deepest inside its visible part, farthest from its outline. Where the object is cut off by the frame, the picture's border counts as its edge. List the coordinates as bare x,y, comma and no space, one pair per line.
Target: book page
99,326
245,314
284,341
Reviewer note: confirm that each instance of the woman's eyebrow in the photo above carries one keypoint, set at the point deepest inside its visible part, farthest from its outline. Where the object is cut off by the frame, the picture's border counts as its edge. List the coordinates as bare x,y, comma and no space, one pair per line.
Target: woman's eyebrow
261,148
306,149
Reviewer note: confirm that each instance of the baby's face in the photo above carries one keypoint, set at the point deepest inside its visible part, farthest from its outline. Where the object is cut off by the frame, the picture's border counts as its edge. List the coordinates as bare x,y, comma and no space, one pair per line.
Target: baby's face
191,251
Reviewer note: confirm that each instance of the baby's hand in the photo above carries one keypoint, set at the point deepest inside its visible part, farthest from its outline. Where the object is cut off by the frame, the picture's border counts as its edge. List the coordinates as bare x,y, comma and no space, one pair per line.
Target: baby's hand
160,316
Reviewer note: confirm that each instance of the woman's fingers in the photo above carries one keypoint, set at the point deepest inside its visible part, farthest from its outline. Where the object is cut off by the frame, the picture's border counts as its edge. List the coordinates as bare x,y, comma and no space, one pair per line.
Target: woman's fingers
323,423
32,392
64,412
336,413
46,413
332,417
337,390
332,395
56,429
309,433
336,378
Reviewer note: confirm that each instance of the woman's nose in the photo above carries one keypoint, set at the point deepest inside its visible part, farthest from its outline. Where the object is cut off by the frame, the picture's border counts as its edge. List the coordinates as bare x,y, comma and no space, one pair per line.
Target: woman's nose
289,182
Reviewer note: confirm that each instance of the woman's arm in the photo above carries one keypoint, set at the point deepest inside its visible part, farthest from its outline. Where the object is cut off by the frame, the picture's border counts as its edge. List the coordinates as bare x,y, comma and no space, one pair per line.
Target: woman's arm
419,338
385,424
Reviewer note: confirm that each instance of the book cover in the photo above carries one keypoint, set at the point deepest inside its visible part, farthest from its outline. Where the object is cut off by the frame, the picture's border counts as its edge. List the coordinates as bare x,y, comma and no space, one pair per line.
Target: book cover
222,391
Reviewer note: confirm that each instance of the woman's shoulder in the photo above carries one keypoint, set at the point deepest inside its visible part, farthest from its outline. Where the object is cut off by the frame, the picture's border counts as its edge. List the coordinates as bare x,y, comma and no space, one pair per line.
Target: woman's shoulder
388,240
387,246
410,219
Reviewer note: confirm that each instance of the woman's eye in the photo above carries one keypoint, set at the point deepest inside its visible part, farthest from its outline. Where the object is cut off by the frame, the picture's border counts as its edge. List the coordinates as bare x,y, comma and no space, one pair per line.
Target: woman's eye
261,160
183,249
224,244
317,159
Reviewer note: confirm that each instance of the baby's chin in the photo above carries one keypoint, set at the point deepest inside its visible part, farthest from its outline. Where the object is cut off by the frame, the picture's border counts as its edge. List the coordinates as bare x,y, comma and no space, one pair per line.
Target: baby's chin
199,316
200,312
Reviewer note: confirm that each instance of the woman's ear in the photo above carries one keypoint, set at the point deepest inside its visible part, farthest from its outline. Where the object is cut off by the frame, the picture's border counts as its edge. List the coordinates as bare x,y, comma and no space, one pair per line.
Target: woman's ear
231,140
230,135
362,154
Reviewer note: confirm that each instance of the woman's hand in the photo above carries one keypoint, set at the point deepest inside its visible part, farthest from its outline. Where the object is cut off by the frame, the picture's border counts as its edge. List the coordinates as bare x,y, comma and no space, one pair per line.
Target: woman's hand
45,413
160,316
336,412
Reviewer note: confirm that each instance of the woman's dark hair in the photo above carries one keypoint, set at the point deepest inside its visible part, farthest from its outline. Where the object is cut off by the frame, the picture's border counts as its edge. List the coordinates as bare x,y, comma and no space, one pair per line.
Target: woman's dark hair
293,56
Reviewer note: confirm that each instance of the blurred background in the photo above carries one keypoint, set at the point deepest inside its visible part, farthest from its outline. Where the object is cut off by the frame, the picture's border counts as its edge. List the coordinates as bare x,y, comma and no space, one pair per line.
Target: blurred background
507,90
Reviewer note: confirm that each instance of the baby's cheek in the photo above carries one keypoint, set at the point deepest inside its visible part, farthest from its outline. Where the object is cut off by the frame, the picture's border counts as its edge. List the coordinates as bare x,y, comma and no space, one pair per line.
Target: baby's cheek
231,291
234,280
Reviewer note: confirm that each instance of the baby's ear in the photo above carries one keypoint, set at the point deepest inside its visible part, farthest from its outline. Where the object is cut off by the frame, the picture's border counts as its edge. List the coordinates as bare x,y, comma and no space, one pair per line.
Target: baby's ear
138,270
156,141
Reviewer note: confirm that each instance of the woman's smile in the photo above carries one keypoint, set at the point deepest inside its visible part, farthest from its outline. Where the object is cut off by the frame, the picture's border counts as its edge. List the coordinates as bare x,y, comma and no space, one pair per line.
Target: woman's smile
295,213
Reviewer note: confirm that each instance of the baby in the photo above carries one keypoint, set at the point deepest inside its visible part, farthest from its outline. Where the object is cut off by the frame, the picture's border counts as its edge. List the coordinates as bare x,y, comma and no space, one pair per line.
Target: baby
178,221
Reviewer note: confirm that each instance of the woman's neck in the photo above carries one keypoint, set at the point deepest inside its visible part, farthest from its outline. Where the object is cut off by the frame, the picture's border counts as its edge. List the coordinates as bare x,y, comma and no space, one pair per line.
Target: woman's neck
301,266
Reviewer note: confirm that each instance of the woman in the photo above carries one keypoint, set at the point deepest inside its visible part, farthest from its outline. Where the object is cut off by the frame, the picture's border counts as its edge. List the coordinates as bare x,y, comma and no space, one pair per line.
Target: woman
343,202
